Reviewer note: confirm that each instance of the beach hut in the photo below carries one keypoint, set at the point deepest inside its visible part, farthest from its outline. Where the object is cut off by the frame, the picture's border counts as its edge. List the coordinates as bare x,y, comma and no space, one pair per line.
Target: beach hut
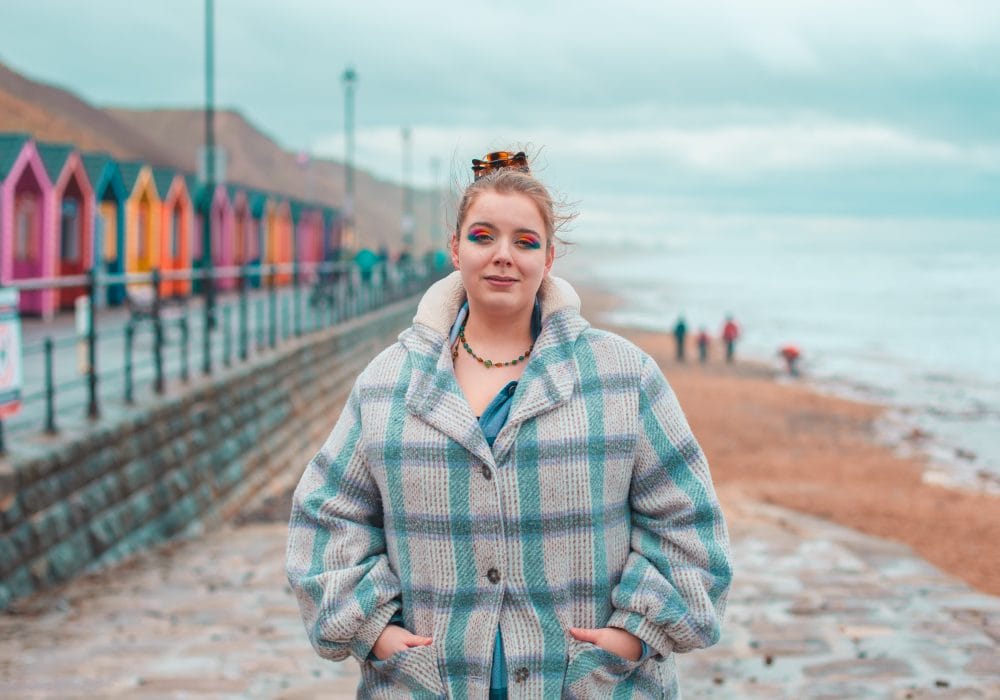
109,222
142,218
256,244
278,241
214,203
331,233
176,224
309,234
73,204
27,245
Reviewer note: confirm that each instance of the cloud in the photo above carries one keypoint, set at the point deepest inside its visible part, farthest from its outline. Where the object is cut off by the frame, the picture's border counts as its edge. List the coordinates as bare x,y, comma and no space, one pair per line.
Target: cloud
732,152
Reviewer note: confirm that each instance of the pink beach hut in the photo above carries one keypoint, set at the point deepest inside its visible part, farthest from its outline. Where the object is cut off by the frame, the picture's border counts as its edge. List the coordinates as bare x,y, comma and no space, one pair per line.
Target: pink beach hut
217,205
73,204
27,236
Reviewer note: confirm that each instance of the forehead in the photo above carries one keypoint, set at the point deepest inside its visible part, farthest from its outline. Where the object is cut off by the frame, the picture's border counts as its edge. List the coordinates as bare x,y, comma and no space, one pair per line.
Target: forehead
505,211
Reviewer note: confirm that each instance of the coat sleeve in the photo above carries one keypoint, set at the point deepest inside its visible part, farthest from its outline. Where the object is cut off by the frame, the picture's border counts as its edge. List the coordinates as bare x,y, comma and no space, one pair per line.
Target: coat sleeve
673,589
336,558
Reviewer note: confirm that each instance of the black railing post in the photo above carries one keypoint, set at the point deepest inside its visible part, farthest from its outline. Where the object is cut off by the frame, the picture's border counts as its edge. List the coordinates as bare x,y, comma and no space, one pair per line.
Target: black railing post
185,340
93,411
227,338
260,324
297,296
208,322
273,310
243,313
158,384
129,337
50,390
284,318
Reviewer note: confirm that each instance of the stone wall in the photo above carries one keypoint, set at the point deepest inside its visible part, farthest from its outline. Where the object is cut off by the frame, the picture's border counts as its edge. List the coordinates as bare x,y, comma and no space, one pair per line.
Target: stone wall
183,464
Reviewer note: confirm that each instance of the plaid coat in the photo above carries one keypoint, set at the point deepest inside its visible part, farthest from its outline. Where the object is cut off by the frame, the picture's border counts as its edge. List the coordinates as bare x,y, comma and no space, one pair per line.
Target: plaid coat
594,508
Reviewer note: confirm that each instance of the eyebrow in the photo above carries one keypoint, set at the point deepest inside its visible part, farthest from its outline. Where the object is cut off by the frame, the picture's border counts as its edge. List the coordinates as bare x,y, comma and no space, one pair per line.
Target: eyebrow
486,224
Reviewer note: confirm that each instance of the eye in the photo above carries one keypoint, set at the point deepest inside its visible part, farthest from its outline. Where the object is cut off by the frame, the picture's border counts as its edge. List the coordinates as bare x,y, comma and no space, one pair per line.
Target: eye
480,235
528,242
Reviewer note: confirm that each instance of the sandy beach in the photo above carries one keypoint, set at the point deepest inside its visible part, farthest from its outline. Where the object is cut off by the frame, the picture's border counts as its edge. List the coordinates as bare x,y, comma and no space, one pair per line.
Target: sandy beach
784,443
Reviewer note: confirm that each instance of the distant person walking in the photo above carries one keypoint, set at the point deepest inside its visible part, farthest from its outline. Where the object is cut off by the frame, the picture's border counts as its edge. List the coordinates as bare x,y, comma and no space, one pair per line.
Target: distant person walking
703,341
730,332
680,333
791,355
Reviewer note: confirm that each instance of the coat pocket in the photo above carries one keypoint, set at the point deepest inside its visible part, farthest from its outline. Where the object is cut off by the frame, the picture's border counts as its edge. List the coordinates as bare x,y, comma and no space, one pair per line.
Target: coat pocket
411,673
593,672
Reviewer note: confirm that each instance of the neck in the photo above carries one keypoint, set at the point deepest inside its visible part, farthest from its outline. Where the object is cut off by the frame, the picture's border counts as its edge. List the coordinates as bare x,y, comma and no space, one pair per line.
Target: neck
499,331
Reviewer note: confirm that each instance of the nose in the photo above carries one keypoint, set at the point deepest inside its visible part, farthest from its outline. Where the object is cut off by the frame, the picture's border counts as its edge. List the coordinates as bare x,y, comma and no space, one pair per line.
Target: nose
502,253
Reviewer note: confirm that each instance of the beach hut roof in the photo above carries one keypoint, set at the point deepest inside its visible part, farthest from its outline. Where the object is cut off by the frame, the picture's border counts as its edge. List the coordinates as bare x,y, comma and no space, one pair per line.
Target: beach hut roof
54,157
329,216
130,173
10,148
258,203
103,170
163,178
201,196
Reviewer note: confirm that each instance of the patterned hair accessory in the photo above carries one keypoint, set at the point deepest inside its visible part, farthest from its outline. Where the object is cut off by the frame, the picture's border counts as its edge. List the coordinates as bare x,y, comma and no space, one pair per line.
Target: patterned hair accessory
499,160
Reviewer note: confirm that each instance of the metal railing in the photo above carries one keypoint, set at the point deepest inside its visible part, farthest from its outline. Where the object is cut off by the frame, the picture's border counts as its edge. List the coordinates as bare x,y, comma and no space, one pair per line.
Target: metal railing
146,345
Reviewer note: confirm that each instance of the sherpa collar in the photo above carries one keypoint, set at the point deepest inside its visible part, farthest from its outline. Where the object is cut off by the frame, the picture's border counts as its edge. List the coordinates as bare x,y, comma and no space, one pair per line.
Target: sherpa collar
548,380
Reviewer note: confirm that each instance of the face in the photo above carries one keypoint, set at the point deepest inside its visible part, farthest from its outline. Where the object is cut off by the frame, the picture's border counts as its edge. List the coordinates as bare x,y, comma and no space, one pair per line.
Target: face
502,252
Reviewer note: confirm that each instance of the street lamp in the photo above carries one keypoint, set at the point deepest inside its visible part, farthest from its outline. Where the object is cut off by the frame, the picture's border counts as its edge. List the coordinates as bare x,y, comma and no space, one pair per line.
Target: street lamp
409,224
206,239
350,81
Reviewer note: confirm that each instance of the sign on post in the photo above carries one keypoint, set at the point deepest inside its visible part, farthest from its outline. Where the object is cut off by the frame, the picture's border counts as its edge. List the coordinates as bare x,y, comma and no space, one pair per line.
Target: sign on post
10,354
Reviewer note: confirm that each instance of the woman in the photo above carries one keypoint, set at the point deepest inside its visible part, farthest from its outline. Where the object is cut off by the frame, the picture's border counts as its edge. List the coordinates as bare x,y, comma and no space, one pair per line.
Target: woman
511,502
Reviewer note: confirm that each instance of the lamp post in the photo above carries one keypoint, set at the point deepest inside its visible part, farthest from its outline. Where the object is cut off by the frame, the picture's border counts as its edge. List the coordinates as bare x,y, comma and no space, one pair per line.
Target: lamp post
206,238
437,221
350,80
408,221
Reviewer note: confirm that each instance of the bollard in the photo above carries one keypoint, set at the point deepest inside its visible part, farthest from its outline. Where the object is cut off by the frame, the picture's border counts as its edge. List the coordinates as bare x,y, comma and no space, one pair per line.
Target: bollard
50,390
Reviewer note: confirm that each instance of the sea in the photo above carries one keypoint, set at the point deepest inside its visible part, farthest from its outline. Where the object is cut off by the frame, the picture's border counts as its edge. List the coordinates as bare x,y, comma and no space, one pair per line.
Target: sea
899,312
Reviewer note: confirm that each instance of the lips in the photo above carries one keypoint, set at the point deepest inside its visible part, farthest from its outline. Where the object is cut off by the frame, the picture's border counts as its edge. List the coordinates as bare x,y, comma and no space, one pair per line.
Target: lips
500,278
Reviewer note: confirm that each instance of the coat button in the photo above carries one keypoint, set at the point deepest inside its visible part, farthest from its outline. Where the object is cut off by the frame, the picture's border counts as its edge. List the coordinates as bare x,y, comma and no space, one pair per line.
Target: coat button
487,474
493,575
521,675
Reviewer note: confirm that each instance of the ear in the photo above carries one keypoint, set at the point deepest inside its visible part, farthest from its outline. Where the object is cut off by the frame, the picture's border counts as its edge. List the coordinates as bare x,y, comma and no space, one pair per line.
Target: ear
454,251
550,257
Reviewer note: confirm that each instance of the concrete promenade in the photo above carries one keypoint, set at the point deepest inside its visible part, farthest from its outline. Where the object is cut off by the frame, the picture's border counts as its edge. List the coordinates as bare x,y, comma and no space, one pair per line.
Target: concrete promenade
817,611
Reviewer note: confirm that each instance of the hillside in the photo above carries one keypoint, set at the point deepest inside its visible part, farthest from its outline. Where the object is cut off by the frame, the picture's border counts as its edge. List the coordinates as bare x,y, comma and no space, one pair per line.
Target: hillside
171,137
53,114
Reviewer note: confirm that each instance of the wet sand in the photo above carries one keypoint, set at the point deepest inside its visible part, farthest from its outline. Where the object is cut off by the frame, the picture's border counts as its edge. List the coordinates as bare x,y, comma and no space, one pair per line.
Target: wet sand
784,443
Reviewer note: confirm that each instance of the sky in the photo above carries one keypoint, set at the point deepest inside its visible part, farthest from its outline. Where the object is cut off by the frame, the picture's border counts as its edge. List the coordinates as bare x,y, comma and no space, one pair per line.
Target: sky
636,110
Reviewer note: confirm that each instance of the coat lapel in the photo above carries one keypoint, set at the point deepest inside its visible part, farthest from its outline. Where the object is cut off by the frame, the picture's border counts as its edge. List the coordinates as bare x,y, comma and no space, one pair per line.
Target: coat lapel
435,398
549,378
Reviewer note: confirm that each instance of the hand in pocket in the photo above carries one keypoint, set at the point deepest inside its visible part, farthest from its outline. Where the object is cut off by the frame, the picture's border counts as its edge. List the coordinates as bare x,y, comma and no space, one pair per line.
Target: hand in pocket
612,639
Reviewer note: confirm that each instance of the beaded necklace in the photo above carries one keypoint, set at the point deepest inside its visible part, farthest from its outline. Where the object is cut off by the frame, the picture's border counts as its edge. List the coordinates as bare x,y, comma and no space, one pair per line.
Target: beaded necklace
482,360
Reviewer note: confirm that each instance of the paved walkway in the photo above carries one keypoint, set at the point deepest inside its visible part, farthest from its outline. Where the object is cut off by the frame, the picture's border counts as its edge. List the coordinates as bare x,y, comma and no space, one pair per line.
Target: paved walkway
817,611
